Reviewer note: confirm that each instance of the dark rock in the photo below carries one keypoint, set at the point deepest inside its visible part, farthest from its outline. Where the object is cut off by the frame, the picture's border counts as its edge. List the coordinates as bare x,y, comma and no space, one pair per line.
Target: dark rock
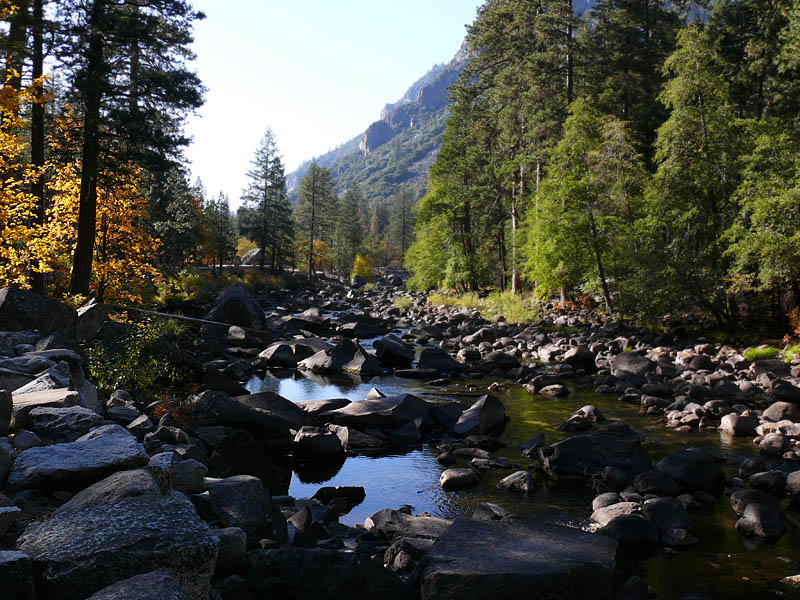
459,479
487,415
77,553
761,520
793,485
628,364
213,409
6,409
392,524
741,499
238,306
769,481
232,550
520,481
354,440
655,482
316,407
488,511
772,444
780,411
693,470
143,587
512,559
679,538
75,465
242,501
316,444
354,494
734,424
278,406
124,484
667,513
379,413
63,424
775,366
217,381
634,588
347,356
604,514
188,476
311,574
393,352
583,455
438,360
631,531
16,576
530,448
581,357
25,310
751,466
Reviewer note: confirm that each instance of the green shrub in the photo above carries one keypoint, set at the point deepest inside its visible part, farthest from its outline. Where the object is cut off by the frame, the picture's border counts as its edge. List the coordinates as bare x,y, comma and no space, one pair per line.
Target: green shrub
513,307
790,352
402,302
135,363
761,353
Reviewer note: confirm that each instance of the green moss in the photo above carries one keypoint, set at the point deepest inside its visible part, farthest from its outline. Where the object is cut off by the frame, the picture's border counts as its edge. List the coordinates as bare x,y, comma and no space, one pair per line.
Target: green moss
761,353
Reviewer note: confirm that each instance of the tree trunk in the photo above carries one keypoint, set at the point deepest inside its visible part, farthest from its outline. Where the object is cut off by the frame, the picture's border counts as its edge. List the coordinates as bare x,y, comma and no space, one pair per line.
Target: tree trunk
15,48
37,128
515,279
87,211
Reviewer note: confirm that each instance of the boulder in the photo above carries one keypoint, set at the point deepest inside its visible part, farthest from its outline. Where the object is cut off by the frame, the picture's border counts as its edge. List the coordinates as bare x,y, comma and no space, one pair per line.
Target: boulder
347,356
392,524
16,575
776,366
605,514
633,531
188,476
241,501
353,439
315,444
581,357
219,409
232,550
6,410
253,256
279,406
124,484
238,306
734,424
487,415
655,482
626,364
760,520
519,481
143,587
459,479
393,352
288,354
63,424
23,404
75,465
438,360
513,559
22,309
77,553
667,513
316,573
584,455
782,411
741,499
379,413
357,281
693,470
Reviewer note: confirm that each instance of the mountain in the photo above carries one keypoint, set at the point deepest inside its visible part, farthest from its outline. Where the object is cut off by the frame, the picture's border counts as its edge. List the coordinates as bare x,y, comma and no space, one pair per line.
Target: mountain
400,147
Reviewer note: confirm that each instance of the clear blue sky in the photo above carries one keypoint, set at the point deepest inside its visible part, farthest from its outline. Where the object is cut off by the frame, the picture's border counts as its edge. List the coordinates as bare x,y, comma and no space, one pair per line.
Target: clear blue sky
317,71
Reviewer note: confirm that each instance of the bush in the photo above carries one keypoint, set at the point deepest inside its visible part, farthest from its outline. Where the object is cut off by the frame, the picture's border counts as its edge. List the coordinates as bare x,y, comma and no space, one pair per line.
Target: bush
363,267
761,353
135,365
402,302
513,307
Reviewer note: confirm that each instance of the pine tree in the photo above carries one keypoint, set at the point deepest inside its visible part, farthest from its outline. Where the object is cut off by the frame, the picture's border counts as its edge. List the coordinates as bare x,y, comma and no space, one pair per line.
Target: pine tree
349,231
222,232
265,209
316,209
401,219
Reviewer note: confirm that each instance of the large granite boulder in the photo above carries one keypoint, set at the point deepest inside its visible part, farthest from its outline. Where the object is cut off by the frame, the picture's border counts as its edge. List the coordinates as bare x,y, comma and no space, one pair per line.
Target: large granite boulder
379,413
242,501
581,357
22,309
254,256
694,470
238,306
393,352
287,354
124,484
63,424
75,465
314,444
392,525
514,559
581,456
347,356
23,404
626,364
77,553
439,360
217,408
16,575
317,574
143,587
487,415
273,403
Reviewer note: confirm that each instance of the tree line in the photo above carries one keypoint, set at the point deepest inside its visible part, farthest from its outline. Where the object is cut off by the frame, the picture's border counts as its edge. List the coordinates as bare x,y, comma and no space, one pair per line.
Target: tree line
645,152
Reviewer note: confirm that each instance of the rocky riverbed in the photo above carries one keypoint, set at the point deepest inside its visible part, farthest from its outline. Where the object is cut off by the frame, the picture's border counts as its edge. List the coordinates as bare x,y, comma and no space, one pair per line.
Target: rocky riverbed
428,453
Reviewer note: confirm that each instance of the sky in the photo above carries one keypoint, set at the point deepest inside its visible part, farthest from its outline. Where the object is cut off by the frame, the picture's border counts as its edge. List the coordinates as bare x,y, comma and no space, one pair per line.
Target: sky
317,71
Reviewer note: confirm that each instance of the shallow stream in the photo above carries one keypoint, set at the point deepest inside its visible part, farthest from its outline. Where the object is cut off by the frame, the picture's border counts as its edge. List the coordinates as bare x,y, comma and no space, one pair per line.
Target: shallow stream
723,566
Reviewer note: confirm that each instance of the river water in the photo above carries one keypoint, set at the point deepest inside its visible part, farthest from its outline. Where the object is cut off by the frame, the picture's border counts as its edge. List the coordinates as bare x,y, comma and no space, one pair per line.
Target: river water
723,566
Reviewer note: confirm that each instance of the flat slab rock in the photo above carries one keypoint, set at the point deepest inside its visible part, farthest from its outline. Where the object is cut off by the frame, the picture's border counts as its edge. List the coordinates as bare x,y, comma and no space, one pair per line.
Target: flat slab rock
143,587
501,559
75,465
78,553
